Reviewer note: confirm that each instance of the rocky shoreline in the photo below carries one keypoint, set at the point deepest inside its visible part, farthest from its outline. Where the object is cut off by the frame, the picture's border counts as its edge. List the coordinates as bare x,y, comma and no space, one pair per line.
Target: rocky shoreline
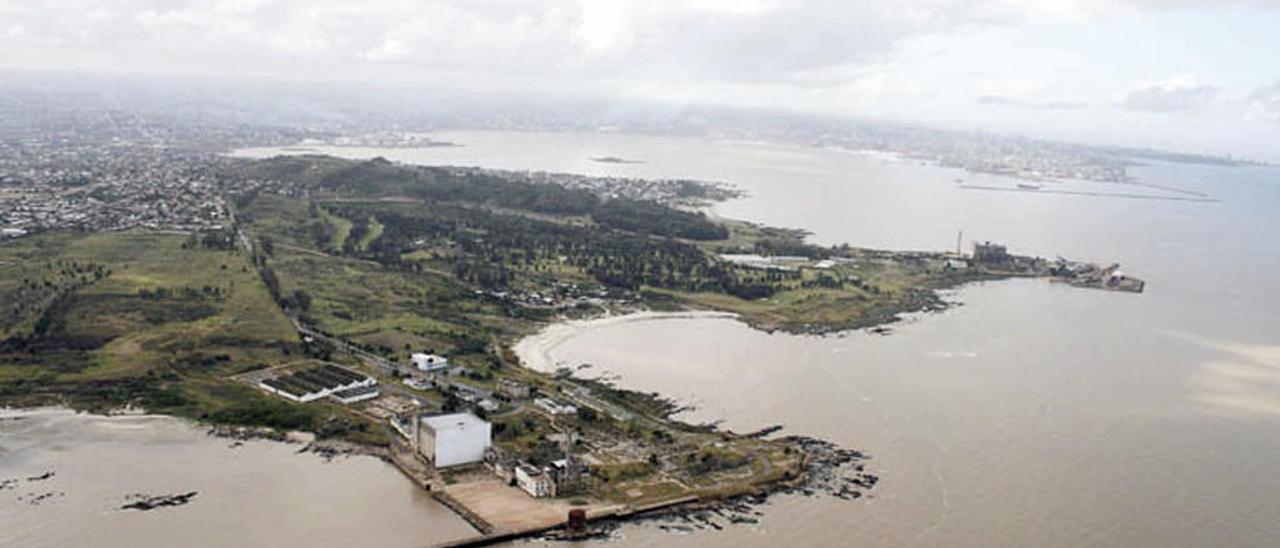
829,471
327,449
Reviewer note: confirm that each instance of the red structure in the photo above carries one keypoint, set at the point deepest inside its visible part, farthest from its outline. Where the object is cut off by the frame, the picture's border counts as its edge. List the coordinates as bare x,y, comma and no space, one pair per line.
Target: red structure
577,519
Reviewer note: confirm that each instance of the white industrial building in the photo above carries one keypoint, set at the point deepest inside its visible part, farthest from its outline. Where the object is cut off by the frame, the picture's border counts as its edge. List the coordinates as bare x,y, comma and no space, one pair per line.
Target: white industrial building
429,362
326,380
535,481
357,394
450,440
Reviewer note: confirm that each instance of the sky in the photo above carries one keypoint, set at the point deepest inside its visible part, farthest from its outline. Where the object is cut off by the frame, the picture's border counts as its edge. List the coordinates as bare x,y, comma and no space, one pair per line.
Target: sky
1175,74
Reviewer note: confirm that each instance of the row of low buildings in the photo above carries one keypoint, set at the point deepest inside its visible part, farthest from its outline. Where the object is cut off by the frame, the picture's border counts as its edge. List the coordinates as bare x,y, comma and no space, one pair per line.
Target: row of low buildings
459,439
554,407
326,380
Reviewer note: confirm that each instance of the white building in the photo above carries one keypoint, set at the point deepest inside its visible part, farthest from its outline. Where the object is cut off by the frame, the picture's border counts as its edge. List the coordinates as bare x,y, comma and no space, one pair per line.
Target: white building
320,382
513,389
429,362
554,407
535,481
450,440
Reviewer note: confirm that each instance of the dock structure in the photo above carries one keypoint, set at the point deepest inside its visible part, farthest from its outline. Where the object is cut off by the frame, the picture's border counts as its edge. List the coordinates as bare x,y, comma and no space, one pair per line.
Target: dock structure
593,515
502,513
481,524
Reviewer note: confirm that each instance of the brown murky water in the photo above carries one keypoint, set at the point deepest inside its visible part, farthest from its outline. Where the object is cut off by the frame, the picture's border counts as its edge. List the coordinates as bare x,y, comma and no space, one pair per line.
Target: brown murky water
987,426
259,493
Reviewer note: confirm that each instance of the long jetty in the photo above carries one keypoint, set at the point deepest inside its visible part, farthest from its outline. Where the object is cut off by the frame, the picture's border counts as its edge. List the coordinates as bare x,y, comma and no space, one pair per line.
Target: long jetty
492,537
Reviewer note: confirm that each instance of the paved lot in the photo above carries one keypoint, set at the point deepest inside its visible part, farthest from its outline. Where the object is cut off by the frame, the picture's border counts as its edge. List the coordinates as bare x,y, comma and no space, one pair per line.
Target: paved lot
508,508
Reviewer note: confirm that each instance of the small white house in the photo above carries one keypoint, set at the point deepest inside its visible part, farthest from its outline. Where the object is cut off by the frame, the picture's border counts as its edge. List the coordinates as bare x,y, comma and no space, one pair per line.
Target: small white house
429,362
451,440
535,481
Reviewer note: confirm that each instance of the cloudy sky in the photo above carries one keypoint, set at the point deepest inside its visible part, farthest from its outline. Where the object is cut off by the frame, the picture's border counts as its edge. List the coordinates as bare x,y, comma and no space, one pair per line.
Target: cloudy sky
1198,76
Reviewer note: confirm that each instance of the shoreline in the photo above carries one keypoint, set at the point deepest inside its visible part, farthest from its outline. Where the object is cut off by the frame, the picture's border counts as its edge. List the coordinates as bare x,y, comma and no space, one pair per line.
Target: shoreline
535,350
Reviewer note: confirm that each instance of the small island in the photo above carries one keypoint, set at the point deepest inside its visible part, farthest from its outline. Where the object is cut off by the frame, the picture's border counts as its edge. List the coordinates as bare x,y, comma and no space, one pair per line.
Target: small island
366,301
614,160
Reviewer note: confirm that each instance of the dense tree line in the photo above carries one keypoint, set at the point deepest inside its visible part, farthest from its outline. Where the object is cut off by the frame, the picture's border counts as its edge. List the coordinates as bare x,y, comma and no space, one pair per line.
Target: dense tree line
653,218
636,243
492,245
379,177
790,247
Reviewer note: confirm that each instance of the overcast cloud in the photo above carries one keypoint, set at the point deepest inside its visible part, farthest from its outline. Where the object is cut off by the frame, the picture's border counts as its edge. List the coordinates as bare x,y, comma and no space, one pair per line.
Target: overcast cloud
1003,101
954,62
1265,103
1182,93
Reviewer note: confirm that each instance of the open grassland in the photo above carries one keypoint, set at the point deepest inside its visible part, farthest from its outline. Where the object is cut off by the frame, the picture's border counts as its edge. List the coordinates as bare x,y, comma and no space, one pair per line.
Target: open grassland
164,325
165,302
336,229
853,294
389,311
372,233
287,220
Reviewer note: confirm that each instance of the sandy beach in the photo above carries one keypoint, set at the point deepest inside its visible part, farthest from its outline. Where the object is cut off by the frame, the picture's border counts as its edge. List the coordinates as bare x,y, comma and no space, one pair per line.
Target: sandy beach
535,350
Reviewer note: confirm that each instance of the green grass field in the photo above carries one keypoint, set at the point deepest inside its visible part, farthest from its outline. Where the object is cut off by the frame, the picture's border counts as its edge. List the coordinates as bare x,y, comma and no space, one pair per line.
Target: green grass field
375,230
163,329
341,229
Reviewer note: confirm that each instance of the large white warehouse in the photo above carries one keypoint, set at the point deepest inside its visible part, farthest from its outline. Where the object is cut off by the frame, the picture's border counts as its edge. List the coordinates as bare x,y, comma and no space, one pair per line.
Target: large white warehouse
450,440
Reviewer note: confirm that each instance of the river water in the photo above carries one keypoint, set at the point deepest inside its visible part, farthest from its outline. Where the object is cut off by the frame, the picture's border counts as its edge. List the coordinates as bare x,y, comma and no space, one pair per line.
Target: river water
1032,414
258,493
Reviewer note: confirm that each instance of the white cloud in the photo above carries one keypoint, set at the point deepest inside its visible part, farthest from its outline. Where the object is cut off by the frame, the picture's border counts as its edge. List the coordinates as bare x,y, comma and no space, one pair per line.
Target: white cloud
1264,103
726,40
917,60
1177,94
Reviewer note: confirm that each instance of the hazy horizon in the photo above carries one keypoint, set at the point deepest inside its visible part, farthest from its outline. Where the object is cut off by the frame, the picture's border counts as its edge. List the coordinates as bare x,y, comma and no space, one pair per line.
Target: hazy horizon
1170,75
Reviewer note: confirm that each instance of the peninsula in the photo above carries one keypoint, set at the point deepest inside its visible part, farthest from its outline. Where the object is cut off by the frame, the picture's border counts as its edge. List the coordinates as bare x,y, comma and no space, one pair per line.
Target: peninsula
351,298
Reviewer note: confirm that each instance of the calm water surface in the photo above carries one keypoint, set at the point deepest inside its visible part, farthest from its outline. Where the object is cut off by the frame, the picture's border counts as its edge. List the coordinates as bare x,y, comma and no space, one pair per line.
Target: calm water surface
1034,414
257,494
